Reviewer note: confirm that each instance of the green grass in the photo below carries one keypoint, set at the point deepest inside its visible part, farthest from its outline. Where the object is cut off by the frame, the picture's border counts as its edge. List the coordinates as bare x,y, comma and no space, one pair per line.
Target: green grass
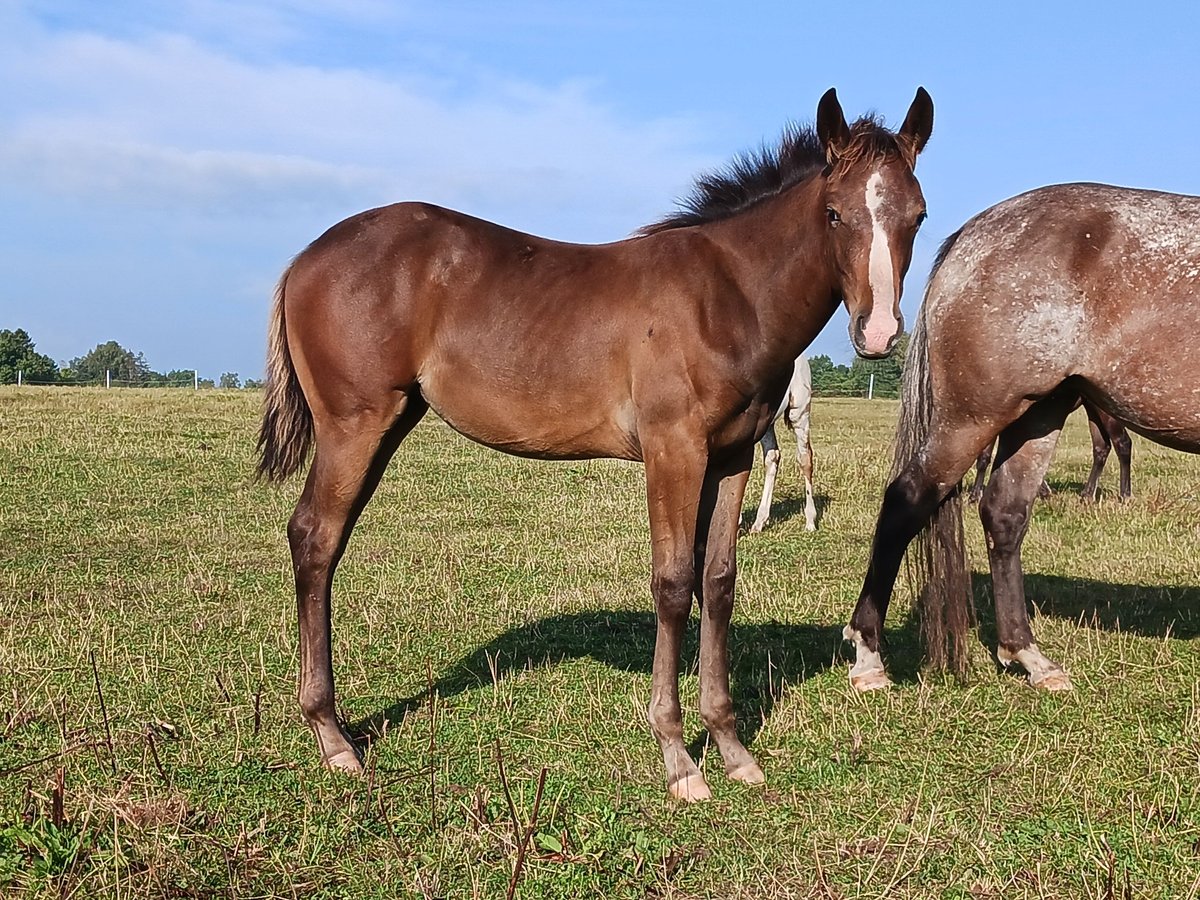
131,531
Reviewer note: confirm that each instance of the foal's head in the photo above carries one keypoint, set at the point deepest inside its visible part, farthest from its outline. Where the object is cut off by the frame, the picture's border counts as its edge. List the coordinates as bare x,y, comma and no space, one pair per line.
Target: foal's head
873,208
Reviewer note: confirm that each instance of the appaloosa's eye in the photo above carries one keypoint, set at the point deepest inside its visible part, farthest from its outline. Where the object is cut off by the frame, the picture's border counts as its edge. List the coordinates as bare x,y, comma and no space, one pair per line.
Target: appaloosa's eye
833,215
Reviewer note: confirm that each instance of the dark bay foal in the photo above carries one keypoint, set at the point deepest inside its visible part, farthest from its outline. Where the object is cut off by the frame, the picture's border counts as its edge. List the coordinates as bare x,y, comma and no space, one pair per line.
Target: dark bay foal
673,347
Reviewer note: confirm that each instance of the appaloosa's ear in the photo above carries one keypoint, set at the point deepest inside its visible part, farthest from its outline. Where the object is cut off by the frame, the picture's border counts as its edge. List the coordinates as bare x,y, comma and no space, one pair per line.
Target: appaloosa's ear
918,124
832,130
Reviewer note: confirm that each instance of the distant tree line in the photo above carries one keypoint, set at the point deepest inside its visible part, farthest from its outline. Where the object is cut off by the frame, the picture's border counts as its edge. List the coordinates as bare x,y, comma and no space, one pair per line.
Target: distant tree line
834,380
105,362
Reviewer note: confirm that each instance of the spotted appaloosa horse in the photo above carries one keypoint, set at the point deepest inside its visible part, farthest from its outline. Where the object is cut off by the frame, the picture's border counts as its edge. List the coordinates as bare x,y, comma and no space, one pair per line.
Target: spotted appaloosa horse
1077,290
1107,435
796,412
673,347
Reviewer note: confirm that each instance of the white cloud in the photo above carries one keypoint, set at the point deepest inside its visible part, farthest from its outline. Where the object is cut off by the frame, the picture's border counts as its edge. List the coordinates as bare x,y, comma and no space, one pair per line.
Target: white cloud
163,121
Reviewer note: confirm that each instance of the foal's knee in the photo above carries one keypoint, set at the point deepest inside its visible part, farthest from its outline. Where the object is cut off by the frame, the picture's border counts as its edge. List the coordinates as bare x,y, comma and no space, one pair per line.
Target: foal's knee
719,579
671,587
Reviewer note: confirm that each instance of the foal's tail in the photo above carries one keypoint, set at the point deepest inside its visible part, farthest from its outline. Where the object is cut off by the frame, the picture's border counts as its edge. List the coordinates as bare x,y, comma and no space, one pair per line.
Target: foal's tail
287,427
938,569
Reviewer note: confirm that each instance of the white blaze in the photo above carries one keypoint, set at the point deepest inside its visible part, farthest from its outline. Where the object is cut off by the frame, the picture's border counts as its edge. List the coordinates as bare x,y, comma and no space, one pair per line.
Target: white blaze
881,323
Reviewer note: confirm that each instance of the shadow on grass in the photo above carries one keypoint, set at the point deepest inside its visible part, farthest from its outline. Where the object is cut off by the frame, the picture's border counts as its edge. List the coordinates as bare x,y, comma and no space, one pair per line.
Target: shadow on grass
765,657
1144,610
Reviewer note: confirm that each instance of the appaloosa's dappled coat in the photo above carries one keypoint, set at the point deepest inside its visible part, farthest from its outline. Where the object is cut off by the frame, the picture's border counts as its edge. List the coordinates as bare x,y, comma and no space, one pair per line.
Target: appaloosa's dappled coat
1066,292
673,347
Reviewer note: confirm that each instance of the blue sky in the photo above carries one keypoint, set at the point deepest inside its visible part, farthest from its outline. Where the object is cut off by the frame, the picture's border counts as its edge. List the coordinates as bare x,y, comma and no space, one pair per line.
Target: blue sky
160,162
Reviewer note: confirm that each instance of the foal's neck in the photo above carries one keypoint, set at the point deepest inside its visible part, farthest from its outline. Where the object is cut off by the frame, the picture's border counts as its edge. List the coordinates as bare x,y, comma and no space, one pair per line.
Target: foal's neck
778,254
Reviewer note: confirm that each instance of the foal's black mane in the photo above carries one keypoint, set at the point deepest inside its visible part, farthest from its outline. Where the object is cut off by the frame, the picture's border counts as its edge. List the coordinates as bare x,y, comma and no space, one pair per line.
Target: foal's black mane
758,174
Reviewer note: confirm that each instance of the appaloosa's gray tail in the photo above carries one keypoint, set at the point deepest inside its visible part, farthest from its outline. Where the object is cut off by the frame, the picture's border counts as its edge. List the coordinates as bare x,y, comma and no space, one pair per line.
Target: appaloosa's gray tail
938,569
287,427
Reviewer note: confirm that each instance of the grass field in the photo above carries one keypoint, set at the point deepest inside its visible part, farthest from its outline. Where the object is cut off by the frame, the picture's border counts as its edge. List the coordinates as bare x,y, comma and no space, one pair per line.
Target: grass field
141,565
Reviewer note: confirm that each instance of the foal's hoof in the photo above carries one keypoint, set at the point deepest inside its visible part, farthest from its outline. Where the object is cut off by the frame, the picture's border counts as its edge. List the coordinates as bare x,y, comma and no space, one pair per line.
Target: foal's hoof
347,761
1055,681
749,773
871,680
690,789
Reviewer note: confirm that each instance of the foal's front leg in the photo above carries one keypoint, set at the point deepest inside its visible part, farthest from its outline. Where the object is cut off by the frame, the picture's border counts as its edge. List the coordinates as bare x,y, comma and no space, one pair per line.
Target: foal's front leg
675,468
720,513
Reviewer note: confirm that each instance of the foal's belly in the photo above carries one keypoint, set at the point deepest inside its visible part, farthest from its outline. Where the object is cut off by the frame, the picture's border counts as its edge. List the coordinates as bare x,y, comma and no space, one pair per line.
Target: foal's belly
543,418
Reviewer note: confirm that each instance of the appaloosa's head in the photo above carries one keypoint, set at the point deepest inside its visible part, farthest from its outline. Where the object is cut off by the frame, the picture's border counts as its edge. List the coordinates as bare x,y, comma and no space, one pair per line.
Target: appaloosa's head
873,208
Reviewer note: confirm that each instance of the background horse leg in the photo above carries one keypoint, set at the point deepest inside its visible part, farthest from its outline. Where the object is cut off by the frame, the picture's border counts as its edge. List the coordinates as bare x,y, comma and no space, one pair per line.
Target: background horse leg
716,558
675,466
351,455
1101,444
1124,446
1022,458
770,451
932,472
804,455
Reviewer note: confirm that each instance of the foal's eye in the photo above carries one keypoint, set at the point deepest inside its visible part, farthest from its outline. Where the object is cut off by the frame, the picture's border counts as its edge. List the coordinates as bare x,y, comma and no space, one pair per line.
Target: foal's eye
833,215
921,219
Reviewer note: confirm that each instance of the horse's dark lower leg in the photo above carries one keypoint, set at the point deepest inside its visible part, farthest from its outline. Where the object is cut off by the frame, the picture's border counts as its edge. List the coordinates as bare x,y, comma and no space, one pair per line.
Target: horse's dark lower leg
675,467
1024,454
720,512
350,458
908,504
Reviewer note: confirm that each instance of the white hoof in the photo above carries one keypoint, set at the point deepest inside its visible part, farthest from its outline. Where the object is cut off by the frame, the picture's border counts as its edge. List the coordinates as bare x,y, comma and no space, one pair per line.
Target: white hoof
1044,674
873,680
346,761
690,789
867,673
1053,682
749,773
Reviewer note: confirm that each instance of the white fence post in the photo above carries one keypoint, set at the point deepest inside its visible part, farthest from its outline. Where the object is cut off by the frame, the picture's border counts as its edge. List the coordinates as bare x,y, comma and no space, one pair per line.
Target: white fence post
195,380
108,378
871,387
19,374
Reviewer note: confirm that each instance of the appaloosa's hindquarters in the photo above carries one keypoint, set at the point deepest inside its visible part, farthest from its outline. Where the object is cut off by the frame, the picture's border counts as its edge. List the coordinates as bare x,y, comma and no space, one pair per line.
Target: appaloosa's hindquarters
1068,292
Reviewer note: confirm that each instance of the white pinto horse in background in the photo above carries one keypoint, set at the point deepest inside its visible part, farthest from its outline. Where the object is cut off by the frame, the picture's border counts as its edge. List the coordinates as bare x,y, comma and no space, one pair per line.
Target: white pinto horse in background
796,411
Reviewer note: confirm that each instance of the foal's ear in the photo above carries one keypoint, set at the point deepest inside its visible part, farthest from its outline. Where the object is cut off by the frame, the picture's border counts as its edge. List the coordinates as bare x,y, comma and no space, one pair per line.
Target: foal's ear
918,124
832,130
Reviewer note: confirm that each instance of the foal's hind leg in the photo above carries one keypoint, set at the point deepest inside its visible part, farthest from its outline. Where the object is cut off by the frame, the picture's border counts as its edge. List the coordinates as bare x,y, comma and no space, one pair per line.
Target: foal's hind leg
1022,459
350,458
770,450
717,532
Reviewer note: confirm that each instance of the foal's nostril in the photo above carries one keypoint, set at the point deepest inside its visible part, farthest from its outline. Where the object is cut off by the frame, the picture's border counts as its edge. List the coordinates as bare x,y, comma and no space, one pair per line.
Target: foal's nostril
860,324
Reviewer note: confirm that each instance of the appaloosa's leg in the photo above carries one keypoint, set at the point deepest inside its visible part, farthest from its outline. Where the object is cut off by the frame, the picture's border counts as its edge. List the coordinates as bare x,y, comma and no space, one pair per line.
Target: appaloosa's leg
908,503
1100,448
770,450
675,466
717,529
804,456
981,463
1024,454
351,455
